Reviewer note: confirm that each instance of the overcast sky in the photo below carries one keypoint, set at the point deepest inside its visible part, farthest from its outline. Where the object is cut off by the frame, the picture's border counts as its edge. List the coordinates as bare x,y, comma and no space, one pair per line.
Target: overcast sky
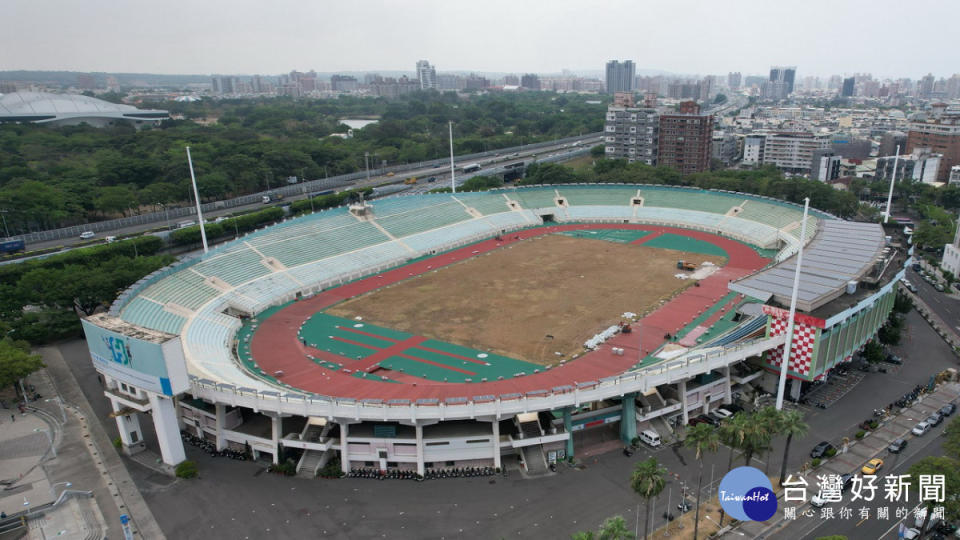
883,37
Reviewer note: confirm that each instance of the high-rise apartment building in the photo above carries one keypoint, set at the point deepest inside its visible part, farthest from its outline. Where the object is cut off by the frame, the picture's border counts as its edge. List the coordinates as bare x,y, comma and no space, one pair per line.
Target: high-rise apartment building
780,84
890,141
344,83
825,165
792,151
631,133
926,86
427,75
733,80
685,139
530,81
939,133
753,148
620,76
920,166
848,86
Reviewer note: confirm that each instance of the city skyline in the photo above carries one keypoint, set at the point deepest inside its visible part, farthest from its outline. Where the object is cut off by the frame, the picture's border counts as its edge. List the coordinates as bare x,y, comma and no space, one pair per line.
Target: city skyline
234,38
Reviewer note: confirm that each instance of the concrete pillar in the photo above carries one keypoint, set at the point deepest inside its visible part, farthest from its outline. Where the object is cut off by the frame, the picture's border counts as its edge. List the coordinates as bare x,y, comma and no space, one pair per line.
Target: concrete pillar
727,387
628,418
276,428
682,390
496,443
419,430
168,434
344,451
221,413
129,427
568,425
795,385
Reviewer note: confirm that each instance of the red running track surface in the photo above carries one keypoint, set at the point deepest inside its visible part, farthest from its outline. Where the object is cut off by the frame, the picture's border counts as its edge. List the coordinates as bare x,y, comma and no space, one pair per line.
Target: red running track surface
275,346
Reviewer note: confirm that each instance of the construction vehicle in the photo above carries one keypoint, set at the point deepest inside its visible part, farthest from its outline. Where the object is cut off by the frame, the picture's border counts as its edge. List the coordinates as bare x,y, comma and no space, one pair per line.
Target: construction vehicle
681,265
410,181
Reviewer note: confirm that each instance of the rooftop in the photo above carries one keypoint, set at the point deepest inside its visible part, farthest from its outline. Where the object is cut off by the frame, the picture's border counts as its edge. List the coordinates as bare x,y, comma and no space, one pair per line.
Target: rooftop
842,251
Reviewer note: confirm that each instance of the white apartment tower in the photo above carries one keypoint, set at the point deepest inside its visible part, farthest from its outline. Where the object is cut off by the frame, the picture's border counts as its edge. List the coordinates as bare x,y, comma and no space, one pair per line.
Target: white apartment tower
427,75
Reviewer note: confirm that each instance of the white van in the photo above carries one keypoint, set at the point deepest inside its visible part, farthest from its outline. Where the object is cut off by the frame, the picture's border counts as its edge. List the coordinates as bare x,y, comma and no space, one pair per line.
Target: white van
86,235
650,437
185,224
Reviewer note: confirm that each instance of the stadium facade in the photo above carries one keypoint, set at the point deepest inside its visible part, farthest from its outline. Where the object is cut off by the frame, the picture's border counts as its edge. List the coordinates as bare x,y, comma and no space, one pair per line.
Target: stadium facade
195,327
73,109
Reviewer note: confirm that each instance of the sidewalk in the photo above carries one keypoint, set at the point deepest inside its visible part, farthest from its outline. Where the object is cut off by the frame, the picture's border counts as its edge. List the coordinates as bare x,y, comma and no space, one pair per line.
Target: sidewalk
22,450
850,461
88,461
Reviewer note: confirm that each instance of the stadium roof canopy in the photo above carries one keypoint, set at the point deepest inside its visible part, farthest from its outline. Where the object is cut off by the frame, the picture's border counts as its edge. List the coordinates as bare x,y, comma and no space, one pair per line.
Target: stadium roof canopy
842,251
47,108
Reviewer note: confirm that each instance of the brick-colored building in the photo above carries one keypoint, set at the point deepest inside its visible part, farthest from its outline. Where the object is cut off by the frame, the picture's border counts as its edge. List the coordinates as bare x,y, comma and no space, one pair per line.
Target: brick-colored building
941,134
685,139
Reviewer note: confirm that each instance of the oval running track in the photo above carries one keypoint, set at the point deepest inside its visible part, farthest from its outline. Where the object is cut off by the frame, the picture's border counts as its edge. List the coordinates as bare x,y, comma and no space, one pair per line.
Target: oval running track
275,346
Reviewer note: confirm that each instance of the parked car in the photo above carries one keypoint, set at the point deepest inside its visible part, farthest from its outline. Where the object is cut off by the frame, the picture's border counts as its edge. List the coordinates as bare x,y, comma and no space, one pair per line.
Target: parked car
723,413
816,501
897,446
920,429
872,466
934,419
702,419
947,409
820,450
894,359
733,407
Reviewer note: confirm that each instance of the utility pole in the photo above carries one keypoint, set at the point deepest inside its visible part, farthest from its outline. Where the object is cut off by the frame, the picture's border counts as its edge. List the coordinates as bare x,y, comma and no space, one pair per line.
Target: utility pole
453,183
6,232
366,162
893,180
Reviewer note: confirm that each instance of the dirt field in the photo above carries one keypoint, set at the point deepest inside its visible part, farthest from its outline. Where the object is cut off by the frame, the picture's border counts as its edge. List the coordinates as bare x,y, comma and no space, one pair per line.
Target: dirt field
532,300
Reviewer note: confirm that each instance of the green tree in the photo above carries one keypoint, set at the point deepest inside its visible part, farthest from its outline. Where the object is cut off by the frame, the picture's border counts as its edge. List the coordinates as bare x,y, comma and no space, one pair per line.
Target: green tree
583,535
16,361
951,442
648,481
615,528
598,151
702,439
950,469
791,424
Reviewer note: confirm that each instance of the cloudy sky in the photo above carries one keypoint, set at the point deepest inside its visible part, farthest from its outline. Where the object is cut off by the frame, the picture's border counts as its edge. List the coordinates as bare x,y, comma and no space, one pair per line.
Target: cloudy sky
883,37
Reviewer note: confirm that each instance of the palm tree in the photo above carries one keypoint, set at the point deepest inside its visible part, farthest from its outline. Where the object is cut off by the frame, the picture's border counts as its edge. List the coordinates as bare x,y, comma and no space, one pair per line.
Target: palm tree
583,535
615,528
732,433
757,433
769,419
791,424
702,438
648,481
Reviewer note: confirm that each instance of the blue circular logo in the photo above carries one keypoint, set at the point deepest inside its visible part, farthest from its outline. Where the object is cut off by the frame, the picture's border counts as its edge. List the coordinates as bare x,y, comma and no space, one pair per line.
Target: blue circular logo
746,494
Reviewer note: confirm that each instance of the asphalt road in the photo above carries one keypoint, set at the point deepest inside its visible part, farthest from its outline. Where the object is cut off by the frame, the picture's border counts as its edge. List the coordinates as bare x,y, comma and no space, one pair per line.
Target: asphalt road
944,305
423,173
858,526
234,499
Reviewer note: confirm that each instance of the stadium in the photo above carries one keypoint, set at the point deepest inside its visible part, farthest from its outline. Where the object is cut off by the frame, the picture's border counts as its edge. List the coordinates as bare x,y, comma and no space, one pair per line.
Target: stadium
512,327
73,109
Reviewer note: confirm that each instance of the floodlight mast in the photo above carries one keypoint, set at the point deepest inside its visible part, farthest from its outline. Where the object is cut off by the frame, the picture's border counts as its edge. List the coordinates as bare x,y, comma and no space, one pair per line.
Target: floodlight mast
196,198
785,362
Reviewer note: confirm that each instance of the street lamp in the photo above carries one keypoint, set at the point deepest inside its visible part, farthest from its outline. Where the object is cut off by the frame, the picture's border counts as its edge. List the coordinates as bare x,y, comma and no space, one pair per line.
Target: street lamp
166,214
53,491
53,449
782,383
59,401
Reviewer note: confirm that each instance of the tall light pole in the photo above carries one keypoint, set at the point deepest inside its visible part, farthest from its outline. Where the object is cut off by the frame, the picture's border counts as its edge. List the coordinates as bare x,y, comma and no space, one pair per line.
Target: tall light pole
166,214
453,183
782,384
893,179
196,198
366,161
6,232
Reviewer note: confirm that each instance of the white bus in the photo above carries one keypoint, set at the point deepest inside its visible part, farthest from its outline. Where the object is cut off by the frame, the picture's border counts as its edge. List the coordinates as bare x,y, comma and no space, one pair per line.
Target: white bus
473,167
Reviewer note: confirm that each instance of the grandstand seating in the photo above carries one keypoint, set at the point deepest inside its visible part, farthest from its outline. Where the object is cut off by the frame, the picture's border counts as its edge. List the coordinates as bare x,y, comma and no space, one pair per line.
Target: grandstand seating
422,219
598,195
532,198
689,199
184,288
297,250
605,213
485,203
152,315
234,267
334,245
